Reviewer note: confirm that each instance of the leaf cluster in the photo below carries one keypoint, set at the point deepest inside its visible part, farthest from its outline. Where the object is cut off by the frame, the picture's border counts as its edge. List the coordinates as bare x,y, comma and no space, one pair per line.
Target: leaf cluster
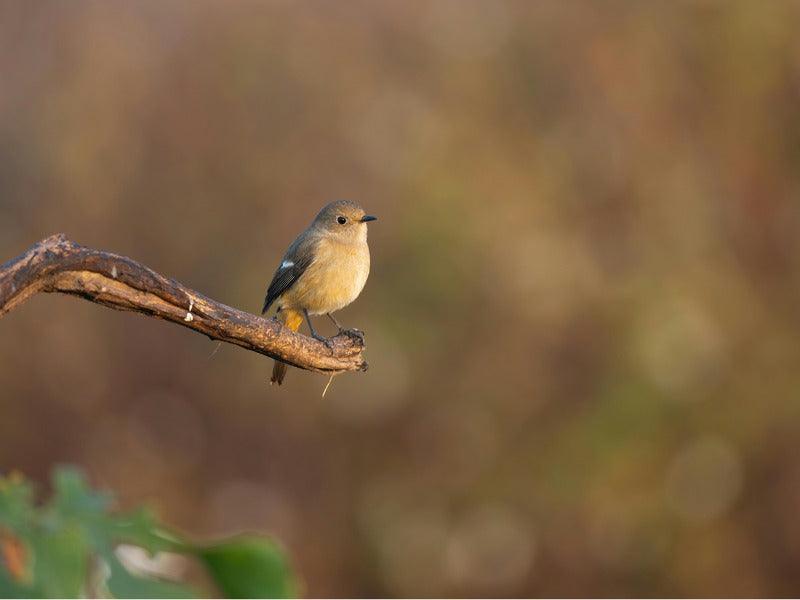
67,547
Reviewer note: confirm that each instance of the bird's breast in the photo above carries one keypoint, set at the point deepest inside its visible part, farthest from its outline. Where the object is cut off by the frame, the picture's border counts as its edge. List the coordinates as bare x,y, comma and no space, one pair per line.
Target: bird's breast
335,278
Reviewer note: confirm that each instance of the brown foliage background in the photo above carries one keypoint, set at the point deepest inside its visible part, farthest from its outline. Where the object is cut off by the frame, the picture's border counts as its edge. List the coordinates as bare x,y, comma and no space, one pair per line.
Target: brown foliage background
582,319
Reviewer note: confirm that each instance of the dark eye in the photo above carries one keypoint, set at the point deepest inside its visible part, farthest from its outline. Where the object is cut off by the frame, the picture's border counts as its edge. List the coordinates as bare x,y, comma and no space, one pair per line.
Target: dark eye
342,220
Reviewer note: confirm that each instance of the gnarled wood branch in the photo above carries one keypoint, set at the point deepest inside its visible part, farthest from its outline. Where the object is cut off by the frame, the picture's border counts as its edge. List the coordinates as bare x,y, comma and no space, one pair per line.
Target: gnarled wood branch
57,264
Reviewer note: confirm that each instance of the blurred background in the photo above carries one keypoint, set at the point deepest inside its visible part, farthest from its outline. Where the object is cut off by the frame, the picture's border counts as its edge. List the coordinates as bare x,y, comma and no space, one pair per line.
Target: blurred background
584,302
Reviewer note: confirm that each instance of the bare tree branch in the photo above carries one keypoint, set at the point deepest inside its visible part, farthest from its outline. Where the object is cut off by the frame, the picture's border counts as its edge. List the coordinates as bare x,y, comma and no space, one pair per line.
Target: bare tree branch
57,264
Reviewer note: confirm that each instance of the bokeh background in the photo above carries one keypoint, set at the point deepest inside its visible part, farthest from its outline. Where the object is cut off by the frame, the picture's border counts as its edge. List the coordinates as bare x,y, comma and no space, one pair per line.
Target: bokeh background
582,319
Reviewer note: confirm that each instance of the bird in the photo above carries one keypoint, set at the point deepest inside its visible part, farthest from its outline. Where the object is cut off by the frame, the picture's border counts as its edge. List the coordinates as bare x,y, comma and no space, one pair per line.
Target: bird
323,270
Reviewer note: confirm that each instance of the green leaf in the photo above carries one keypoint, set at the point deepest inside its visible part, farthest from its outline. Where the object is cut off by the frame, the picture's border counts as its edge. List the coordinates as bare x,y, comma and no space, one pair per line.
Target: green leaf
141,529
61,562
10,589
16,503
249,567
123,584
72,497
75,530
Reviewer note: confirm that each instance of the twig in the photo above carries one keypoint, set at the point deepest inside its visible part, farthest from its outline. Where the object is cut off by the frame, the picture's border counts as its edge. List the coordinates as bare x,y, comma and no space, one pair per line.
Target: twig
57,264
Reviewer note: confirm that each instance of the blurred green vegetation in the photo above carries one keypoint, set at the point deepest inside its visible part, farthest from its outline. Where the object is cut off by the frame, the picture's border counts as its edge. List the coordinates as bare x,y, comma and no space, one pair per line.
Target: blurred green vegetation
70,547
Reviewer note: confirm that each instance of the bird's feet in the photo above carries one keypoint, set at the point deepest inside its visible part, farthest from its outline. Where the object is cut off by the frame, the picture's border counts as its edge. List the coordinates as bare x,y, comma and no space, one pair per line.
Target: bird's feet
354,334
327,341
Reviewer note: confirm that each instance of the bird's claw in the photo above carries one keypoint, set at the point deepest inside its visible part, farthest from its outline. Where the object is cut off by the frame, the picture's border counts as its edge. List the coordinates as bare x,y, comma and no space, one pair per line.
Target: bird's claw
354,334
327,341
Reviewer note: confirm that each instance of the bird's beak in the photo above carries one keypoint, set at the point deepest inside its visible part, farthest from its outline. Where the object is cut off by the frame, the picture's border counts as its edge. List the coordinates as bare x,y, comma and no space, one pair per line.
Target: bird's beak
368,218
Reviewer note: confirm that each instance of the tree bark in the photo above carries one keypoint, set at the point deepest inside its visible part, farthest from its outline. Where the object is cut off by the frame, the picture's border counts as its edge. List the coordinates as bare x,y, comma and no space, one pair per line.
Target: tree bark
57,264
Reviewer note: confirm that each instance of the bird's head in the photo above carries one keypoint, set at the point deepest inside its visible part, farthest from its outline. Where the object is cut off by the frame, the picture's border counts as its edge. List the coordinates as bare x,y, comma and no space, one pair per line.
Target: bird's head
343,219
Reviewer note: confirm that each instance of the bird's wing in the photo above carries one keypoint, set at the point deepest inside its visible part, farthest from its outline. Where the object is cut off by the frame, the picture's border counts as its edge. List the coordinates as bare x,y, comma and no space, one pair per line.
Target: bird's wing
296,260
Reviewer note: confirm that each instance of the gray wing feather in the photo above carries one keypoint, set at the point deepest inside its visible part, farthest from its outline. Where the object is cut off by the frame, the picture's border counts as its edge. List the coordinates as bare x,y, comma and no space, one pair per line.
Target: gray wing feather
297,259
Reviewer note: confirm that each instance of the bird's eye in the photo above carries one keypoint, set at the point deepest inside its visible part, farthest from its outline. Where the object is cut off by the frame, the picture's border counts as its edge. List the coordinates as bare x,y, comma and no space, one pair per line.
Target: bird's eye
342,220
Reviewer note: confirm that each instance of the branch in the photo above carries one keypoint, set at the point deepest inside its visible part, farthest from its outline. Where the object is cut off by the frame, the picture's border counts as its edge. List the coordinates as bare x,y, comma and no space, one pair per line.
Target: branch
57,264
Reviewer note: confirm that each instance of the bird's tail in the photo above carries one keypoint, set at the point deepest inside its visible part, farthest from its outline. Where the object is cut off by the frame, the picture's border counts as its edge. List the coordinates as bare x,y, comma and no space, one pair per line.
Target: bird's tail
292,319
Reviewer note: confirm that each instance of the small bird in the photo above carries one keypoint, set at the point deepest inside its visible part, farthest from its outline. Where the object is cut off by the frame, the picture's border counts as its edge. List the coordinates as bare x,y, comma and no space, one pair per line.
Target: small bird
323,271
